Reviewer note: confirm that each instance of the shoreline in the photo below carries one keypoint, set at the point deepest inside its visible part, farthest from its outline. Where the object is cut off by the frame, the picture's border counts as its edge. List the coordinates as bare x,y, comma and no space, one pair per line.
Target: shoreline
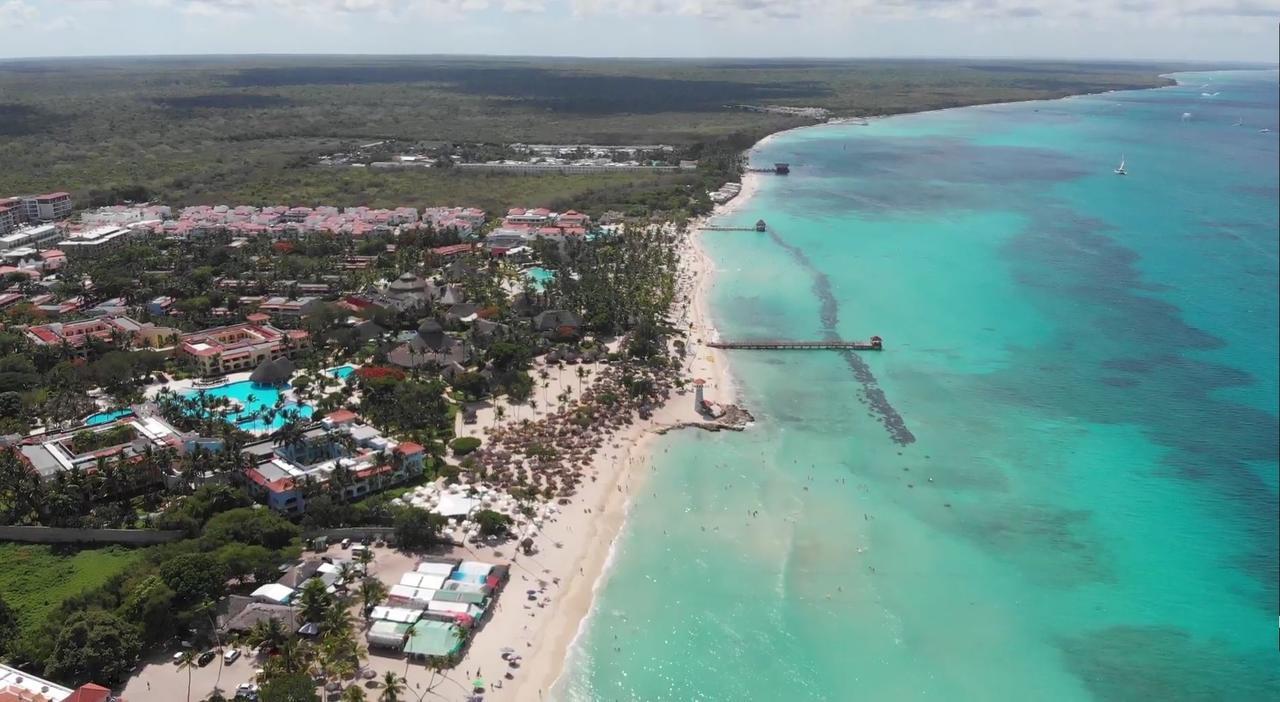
595,533
585,534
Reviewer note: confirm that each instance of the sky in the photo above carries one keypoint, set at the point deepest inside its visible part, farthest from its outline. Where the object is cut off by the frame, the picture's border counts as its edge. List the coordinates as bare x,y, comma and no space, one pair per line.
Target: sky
1193,30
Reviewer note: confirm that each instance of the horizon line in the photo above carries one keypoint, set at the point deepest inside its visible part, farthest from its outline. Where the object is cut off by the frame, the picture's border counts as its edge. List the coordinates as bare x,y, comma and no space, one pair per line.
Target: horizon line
780,59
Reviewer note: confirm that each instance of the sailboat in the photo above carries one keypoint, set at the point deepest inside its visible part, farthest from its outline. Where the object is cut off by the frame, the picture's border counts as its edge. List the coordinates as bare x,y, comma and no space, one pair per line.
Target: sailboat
1239,122
1120,169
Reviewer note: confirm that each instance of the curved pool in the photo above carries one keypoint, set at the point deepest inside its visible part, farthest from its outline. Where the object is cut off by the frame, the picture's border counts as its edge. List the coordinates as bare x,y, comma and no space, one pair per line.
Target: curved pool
105,417
261,406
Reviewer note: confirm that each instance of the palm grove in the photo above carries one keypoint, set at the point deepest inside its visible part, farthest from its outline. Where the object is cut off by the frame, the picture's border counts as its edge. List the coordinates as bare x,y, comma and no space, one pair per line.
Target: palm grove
621,285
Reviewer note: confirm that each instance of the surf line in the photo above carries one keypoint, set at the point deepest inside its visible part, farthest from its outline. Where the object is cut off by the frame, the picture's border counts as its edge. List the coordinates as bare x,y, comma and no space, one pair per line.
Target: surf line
871,395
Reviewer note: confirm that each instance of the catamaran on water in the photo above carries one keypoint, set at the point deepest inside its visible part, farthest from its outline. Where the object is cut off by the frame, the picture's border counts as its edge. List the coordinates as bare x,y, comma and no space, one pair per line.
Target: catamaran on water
1120,169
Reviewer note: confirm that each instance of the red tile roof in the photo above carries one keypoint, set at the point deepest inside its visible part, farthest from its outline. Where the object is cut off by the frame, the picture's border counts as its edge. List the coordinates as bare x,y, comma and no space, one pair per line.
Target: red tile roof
409,448
281,485
341,416
452,249
375,470
90,692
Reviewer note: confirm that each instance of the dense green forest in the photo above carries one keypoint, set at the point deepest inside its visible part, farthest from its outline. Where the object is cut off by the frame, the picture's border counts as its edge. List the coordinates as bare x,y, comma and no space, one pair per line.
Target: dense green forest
248,129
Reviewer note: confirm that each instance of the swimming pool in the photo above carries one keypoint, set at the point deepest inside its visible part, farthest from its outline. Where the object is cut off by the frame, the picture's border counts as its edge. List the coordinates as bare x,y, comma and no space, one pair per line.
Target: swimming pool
97,418
254,400
540,276
341,372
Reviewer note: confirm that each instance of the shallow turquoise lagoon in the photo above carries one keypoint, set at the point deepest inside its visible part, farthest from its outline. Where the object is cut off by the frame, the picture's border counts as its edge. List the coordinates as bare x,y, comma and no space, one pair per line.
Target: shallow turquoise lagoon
1079,503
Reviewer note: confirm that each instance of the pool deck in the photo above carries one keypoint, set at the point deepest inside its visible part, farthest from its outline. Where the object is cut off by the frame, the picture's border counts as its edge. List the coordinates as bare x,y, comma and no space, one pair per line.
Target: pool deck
187,384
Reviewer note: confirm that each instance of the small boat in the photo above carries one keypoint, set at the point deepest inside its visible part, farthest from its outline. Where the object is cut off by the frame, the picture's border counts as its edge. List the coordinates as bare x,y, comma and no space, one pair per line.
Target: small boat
1238,122
1120,169
1264,130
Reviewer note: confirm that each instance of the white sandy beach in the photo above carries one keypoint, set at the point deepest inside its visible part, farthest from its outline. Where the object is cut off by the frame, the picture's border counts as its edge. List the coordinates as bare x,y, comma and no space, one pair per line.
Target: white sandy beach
575,547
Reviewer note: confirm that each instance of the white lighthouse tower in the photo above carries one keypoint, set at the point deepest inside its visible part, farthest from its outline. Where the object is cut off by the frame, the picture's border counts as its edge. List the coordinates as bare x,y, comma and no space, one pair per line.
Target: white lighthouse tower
698,403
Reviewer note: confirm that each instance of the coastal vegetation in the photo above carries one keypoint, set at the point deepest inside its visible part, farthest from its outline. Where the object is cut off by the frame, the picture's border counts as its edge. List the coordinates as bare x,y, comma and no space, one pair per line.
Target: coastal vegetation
86,615
36,579
249,129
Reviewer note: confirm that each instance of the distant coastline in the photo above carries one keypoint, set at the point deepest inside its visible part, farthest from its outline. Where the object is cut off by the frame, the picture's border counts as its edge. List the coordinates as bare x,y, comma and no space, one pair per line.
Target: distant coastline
631,465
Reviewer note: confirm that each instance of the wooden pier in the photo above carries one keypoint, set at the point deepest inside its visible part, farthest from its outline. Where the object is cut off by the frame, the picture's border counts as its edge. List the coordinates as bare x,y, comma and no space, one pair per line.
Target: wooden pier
778,169
760,227
874,344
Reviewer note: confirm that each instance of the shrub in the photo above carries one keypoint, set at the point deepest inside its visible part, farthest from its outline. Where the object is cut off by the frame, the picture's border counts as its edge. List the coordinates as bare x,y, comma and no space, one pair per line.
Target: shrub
378,372
464,444
492,523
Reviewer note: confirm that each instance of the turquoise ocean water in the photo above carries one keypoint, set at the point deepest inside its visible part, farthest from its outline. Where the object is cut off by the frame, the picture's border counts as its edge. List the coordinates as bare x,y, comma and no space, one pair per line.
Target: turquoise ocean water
1079,501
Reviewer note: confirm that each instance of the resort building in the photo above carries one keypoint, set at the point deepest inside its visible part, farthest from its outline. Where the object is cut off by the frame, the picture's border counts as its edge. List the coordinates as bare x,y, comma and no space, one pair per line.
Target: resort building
453,250
39,208
121,215
460,219
29,237
504,239
19,686
8,218
430,346
589,166
339,447
114,330
128,437
92,242
244,613
160,306
520,217
239,347
407,292
573,218
290,309
557,324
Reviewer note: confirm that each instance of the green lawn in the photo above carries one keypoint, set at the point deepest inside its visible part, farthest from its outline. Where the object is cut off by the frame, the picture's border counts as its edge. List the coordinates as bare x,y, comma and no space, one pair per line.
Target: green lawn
36,579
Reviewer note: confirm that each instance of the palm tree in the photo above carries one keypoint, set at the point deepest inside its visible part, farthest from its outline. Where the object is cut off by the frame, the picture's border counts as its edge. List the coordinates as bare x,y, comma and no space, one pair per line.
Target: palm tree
353,694
314,601
188,661
391,688
365,557
498,413
582,374
269,634
372,591
337,623
347,572
435,664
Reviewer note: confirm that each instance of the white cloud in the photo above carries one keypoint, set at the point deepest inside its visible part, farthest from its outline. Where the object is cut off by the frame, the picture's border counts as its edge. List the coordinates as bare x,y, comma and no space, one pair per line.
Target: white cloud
16,14
727,9
943,9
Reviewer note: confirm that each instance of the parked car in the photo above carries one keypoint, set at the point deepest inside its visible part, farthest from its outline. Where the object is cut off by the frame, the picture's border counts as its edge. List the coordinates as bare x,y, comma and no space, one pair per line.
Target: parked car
346,544
177,657
230,656
205,657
